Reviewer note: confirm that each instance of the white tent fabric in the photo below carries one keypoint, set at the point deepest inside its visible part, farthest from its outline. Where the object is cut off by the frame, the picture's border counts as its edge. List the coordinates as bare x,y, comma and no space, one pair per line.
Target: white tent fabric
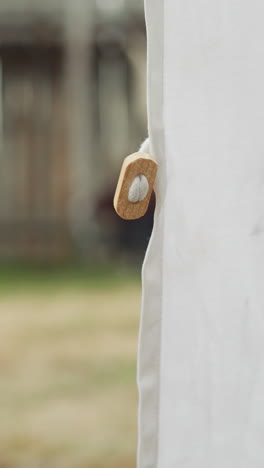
201,354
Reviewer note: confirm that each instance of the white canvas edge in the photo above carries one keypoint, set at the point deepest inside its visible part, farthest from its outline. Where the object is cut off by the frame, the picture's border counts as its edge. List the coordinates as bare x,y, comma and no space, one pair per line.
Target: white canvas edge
148,375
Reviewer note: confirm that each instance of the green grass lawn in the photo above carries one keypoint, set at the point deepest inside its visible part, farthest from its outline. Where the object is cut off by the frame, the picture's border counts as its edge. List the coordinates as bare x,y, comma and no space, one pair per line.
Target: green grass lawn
68,342
48,277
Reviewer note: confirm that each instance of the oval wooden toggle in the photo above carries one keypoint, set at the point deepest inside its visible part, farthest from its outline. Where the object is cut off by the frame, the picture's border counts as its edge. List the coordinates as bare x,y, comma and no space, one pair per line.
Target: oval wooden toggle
133,165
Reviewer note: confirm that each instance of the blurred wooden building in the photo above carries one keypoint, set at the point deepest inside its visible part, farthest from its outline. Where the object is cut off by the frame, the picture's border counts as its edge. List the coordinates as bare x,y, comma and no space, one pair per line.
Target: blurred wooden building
71,106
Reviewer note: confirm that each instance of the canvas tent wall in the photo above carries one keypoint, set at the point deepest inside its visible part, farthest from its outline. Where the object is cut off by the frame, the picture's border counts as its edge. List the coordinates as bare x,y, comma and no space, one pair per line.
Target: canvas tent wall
201,364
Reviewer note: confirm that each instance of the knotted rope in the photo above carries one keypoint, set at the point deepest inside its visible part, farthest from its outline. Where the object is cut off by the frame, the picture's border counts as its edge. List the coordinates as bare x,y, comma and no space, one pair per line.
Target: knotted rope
140,186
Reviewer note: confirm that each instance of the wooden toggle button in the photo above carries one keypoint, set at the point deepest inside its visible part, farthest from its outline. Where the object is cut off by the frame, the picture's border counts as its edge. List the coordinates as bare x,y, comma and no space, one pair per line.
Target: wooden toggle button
134,165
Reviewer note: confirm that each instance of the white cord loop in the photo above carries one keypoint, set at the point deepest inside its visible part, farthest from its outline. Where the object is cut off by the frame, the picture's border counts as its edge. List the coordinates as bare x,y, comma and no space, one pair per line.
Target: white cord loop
145,147
138,189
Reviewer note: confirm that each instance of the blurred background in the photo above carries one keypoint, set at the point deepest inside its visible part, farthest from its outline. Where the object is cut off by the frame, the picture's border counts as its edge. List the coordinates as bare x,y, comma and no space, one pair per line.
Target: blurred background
72,106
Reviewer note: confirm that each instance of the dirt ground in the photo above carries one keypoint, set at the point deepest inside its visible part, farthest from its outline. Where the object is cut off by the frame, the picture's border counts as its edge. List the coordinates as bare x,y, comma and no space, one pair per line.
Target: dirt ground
68,396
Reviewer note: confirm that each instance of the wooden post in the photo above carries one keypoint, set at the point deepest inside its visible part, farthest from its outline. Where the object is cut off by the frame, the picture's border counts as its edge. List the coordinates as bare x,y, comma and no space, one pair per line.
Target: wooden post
78,35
